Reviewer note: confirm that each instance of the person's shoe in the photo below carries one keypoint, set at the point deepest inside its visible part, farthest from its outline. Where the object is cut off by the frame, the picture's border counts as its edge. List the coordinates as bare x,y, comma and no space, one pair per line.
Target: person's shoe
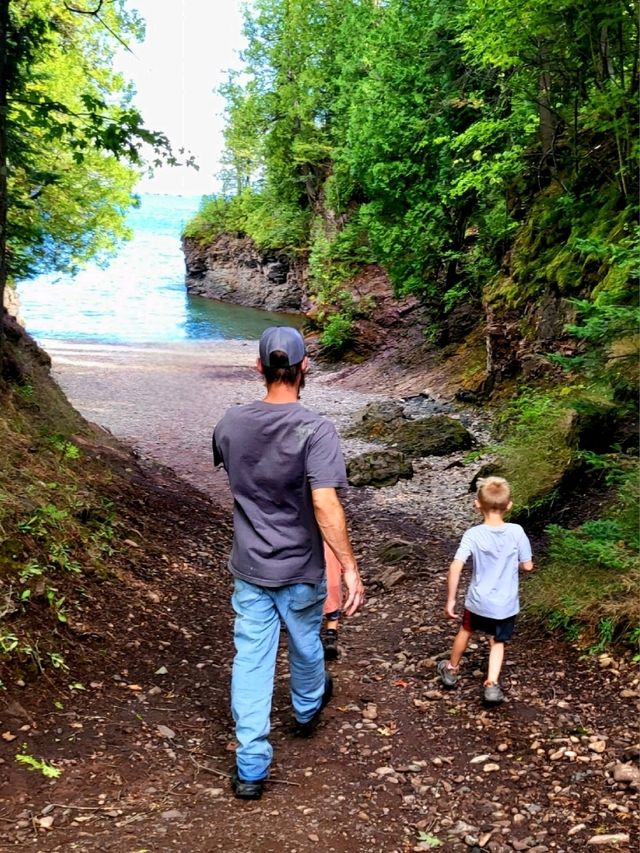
448,675
308,728
493,694
244,789
330,644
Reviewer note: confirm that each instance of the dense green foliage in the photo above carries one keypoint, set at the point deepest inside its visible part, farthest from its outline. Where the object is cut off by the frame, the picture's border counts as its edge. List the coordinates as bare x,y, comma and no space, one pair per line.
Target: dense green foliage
74,140
477,151
434,136
590,580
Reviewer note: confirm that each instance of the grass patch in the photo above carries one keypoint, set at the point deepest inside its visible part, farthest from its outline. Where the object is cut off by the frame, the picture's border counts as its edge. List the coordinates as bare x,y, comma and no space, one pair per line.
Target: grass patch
538,440
589,586
56,526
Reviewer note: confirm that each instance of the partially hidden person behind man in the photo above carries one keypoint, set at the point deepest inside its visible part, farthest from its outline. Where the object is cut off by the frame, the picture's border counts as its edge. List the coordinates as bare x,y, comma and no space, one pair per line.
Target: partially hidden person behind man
284,464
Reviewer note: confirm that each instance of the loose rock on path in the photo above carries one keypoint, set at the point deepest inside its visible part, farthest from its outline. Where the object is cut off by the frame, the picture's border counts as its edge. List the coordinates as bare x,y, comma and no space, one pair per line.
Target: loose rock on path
398,764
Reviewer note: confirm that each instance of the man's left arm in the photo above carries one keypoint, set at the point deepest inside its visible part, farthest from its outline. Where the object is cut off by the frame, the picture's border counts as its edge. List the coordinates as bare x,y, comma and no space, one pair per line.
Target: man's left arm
332,522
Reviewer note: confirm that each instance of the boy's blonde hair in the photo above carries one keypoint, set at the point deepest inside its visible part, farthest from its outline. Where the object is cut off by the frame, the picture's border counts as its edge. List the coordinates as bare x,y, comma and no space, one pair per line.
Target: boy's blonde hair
494,493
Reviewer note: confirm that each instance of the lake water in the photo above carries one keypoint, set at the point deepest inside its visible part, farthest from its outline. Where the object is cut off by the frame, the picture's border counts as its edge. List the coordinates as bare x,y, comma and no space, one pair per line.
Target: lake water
141,296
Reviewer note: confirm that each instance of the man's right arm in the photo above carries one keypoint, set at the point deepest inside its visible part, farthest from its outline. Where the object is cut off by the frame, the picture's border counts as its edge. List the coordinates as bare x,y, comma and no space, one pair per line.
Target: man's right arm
333,526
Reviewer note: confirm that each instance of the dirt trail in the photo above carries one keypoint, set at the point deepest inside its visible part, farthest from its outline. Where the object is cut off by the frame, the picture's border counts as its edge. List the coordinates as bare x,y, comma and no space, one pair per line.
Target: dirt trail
397,765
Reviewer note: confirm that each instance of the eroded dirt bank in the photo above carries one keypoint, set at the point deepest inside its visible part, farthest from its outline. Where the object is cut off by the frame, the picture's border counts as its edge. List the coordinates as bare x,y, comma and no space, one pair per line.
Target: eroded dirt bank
397,765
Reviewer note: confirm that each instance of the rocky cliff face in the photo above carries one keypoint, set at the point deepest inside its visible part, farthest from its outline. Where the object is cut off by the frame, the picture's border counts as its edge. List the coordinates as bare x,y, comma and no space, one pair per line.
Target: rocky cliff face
232,269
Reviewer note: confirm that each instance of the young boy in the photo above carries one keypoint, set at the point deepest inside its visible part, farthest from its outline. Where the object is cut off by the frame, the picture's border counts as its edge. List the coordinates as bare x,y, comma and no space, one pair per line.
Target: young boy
492,602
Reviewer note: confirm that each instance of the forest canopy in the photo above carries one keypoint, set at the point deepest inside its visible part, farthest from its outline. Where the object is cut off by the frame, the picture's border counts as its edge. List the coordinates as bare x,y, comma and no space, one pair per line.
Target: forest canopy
430,136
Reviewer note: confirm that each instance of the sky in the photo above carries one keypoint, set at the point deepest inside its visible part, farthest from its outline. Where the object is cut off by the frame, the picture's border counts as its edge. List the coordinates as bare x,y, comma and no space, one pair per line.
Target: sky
189,46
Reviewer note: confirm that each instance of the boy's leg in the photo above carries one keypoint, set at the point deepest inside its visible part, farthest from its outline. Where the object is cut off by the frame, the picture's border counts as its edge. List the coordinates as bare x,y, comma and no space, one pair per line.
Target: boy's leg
496,656
459,647
448,670
330,641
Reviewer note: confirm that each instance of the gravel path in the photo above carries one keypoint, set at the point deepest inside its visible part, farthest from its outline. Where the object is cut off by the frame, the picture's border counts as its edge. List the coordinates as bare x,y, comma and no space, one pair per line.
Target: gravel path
164,400
398,765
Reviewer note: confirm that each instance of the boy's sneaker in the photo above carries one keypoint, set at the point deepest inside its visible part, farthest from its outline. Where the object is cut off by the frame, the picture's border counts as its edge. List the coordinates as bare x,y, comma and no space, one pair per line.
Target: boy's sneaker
448,675
330,644
246,790
493,694
308,728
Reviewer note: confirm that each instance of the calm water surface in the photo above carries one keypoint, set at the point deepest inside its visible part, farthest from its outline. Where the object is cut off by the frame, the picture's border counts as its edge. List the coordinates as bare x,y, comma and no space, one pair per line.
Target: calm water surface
140,297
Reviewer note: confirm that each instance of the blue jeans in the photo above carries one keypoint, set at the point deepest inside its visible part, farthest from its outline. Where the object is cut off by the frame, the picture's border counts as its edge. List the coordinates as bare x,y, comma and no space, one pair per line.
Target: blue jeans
256,633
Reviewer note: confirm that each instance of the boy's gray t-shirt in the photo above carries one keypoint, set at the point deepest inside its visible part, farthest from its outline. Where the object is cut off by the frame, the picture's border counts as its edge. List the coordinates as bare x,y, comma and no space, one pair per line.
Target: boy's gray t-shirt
496,553
275,454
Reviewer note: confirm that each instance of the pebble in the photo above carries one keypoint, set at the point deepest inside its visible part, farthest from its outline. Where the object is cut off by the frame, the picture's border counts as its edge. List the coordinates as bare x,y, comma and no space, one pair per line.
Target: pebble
491,768
598,746
602,840
370,711
172,814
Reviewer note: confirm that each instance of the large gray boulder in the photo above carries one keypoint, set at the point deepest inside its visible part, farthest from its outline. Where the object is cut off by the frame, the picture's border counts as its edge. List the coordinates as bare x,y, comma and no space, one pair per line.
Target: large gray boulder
379,468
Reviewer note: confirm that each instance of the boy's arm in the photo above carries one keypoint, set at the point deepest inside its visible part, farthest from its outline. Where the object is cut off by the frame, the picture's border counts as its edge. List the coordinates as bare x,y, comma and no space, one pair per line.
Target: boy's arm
526,565
453,578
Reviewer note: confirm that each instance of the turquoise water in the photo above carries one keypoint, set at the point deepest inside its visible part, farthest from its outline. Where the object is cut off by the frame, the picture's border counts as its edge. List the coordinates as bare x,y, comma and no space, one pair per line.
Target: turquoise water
140,297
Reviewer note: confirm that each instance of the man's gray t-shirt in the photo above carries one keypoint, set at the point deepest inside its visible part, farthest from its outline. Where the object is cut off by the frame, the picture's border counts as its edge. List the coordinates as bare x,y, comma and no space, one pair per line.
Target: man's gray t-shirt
496,553
275,454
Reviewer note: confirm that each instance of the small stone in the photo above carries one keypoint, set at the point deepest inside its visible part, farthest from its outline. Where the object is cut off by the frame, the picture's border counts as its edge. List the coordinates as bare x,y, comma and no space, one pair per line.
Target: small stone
172,814
370,711
214,792
313,837
626,773
598,746
478,759
576,829
491,768
165,732
602,840
502,747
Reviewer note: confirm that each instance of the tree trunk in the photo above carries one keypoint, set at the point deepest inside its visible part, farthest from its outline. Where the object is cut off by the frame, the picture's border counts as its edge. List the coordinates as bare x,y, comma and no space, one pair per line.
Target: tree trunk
547,120
4,31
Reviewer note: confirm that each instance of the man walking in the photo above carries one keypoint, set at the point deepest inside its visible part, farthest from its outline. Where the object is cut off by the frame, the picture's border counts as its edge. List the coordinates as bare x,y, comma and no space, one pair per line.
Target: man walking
284,464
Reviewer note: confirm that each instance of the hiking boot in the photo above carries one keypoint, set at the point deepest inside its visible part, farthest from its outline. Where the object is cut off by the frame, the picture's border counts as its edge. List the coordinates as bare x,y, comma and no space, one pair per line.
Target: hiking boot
308,728
493,694
448,675
330,644
244,789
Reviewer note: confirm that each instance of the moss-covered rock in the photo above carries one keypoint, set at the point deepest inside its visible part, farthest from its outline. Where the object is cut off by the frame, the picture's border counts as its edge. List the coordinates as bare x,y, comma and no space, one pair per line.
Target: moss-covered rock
437,435
379,468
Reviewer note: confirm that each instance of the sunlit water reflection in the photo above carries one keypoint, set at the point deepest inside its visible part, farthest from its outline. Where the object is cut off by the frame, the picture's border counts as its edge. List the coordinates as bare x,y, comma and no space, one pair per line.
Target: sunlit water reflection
140,297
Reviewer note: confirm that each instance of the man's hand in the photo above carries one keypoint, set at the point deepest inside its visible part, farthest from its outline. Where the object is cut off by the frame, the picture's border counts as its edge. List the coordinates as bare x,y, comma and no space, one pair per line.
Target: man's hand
527,566
450,609
355,591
